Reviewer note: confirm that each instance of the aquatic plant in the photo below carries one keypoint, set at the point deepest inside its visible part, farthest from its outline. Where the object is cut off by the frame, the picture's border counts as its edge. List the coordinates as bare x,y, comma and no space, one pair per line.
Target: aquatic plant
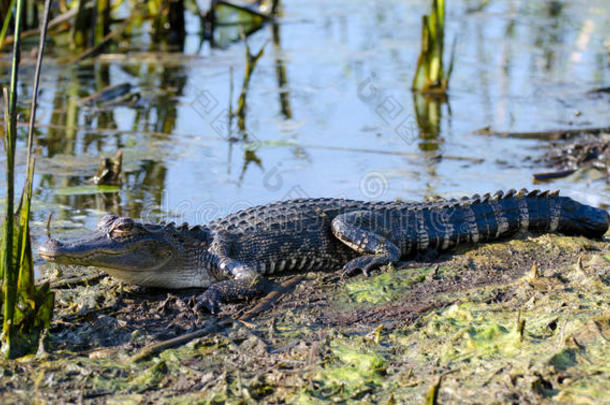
430,75
27,309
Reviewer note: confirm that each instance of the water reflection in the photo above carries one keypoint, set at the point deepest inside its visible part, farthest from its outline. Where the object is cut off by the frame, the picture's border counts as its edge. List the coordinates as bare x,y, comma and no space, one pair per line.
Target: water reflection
313,117
429,115
280,72
248,141
83,129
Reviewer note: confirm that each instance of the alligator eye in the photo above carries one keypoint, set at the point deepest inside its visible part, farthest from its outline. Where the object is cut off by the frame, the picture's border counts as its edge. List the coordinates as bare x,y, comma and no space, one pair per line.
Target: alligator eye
122,228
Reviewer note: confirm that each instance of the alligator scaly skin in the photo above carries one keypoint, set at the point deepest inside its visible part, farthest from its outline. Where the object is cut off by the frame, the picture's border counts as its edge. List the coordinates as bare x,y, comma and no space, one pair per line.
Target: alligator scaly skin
228,255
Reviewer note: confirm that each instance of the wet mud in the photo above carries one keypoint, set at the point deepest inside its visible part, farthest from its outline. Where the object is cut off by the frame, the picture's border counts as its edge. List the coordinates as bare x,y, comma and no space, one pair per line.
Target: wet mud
526,320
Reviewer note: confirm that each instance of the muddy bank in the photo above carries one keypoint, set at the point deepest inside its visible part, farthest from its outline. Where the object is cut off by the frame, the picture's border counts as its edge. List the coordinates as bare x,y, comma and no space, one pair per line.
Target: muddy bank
495,326
587,157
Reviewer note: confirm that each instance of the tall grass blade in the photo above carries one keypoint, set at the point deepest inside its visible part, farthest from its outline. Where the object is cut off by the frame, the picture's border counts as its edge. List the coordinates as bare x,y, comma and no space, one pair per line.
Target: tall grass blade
27,308
8,270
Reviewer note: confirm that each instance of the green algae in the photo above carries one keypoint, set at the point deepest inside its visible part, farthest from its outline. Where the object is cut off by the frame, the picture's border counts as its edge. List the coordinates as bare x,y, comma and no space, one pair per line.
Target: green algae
355,365
351,371
384,287
150,378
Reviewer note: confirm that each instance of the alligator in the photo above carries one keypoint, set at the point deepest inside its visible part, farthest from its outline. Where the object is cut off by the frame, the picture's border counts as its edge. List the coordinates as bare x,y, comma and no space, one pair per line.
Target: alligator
230,256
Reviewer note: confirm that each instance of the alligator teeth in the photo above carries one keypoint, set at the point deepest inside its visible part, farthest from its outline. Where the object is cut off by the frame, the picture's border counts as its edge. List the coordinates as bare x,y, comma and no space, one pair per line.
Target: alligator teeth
544,194
554,194
485,197
533,193
510,193
498,195
521,193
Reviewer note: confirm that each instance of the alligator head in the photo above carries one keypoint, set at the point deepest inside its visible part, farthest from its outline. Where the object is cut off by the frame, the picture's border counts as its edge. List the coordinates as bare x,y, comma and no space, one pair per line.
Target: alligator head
149,255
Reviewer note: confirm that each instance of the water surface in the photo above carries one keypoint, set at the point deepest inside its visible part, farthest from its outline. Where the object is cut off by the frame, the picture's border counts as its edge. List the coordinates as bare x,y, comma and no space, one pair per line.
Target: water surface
330,111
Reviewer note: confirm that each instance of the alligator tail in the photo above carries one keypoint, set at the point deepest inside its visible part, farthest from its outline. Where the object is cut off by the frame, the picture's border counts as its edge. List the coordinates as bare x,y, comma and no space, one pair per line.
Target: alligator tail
489,217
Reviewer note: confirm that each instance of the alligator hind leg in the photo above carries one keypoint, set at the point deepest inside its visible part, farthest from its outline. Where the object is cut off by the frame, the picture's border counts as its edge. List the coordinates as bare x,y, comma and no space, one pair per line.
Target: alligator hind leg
360,231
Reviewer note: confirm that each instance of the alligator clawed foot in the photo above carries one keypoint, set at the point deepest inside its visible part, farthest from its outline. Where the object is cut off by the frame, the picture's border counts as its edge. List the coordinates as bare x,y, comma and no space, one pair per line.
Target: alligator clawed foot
364,264
207,302
349,271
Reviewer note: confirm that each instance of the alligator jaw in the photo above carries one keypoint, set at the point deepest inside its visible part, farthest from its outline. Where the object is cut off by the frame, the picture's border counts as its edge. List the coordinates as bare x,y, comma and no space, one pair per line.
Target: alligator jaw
143,254
58,252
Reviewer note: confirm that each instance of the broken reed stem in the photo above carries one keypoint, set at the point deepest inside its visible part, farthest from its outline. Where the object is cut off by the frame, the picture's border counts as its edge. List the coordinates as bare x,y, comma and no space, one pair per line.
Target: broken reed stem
430,76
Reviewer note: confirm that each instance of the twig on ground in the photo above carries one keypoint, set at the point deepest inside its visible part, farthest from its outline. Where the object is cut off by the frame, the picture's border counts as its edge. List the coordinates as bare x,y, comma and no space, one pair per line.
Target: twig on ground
212,325
76,281
215,324
272,297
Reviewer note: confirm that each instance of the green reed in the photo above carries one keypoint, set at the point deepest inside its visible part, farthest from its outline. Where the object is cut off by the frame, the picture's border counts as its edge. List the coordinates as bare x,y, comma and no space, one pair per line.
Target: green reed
431,76
27,308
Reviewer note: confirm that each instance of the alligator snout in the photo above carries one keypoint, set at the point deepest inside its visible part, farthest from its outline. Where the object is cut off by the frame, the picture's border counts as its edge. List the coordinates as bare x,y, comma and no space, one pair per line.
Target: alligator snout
50,249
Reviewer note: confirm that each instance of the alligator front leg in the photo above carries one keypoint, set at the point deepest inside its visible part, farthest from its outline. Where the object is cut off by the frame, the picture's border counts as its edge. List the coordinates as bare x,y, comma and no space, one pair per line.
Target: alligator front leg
241,281
359,230
229,291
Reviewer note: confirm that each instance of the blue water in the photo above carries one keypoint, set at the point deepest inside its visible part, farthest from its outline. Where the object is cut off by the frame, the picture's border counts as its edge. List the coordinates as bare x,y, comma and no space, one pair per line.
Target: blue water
347,126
